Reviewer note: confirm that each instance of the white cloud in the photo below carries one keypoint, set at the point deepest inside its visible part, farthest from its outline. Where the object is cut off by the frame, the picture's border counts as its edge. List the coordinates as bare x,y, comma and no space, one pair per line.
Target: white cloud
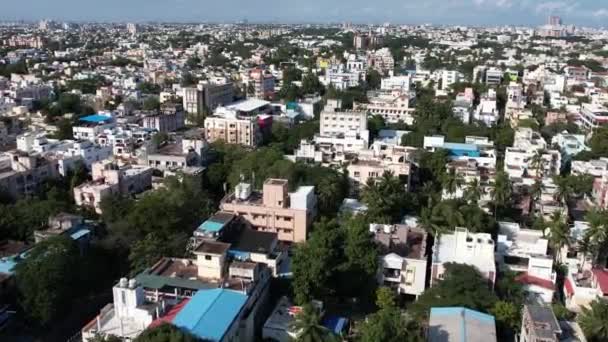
601,13
549,7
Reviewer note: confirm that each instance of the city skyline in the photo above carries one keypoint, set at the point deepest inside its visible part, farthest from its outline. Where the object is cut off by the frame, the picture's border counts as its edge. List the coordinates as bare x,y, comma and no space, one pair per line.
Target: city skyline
451,12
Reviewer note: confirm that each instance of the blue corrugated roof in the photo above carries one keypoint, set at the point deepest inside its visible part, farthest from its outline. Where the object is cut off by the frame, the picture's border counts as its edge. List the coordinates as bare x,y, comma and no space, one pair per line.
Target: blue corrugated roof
79,233
458,146
460,311
210,313
95,118
7,265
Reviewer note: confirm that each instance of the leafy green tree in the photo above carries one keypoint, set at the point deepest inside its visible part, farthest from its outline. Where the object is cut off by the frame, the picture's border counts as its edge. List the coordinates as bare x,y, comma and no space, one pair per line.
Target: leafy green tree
594,321
312,85
151,103
46,279
462,285
501,191
315,263
385,298
451,181
308,327
385,198
373,79
164,333
507,316
388,324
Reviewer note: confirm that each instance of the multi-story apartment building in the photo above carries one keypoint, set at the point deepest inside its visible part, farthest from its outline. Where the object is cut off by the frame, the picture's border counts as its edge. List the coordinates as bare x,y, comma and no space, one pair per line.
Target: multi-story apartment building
208,95
340,77
263,83
525,251
218,295
487,110
465,248
339,123
480,149
171,118
290,215
583,287
91,126
402,256
493,76
109,179
402,83
470,171
592,116
233,130
449,77
382,60
539,324
394,106
520,160
22,174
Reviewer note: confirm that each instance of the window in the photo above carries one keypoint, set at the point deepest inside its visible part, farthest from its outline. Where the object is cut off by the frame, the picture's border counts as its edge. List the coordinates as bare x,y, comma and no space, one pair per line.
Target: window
123,297
208,257
357,174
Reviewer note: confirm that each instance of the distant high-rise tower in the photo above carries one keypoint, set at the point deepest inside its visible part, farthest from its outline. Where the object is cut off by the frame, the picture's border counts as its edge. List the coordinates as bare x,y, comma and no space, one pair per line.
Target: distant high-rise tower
554,20
132,28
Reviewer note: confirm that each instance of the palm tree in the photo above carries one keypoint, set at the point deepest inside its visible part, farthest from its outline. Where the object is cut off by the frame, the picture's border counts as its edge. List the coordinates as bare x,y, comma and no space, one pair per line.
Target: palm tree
594,321
597,233
308,326
428,190
537,163
501,191
451,181
473,191
559,234
564,190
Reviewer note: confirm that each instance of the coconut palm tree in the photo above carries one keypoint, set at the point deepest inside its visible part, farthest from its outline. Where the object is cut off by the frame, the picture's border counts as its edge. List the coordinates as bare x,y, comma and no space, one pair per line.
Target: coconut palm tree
537,163
308,326
564,189
473,191
501,191
451,181
594,321
559,234
597,233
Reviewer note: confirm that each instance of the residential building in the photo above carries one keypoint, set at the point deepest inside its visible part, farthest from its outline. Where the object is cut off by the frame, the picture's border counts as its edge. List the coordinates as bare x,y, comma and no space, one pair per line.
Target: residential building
470,171
569,144
382,61
487,110
263,83
170,119
233,130
22,174
460,324
539,324
340,77
395,106
90,126
592,116
401,83
208,95
449,77
128,315
464,248
110,178
480,149
583,287
555,117
493,76
403,258
525,251
290,215
520,159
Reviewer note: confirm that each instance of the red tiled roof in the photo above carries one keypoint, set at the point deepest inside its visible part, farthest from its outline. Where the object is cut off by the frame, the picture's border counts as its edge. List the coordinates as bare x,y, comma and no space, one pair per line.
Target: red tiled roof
602,279
170,315
525,278
568,286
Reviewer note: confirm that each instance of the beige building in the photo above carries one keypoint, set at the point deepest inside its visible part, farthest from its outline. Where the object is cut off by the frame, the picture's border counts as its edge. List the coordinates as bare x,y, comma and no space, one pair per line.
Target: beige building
233,130
22,174
109,178
275,209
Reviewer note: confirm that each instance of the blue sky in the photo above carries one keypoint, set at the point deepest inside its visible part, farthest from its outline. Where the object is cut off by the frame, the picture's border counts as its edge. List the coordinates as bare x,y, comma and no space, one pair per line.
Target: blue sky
473,12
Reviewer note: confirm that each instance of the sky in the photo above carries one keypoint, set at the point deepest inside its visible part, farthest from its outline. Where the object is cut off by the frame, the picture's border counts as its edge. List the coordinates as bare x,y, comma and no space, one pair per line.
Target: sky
448,12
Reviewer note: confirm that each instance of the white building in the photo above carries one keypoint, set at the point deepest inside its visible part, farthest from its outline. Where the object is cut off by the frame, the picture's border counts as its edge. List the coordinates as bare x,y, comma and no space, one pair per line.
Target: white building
449,77
464,248
525,251
403,256
402,83
128,316
487,110
592,116
395,106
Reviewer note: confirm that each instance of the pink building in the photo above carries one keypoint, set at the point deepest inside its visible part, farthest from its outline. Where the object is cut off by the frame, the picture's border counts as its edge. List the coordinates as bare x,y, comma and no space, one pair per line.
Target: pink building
275,209
555,117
